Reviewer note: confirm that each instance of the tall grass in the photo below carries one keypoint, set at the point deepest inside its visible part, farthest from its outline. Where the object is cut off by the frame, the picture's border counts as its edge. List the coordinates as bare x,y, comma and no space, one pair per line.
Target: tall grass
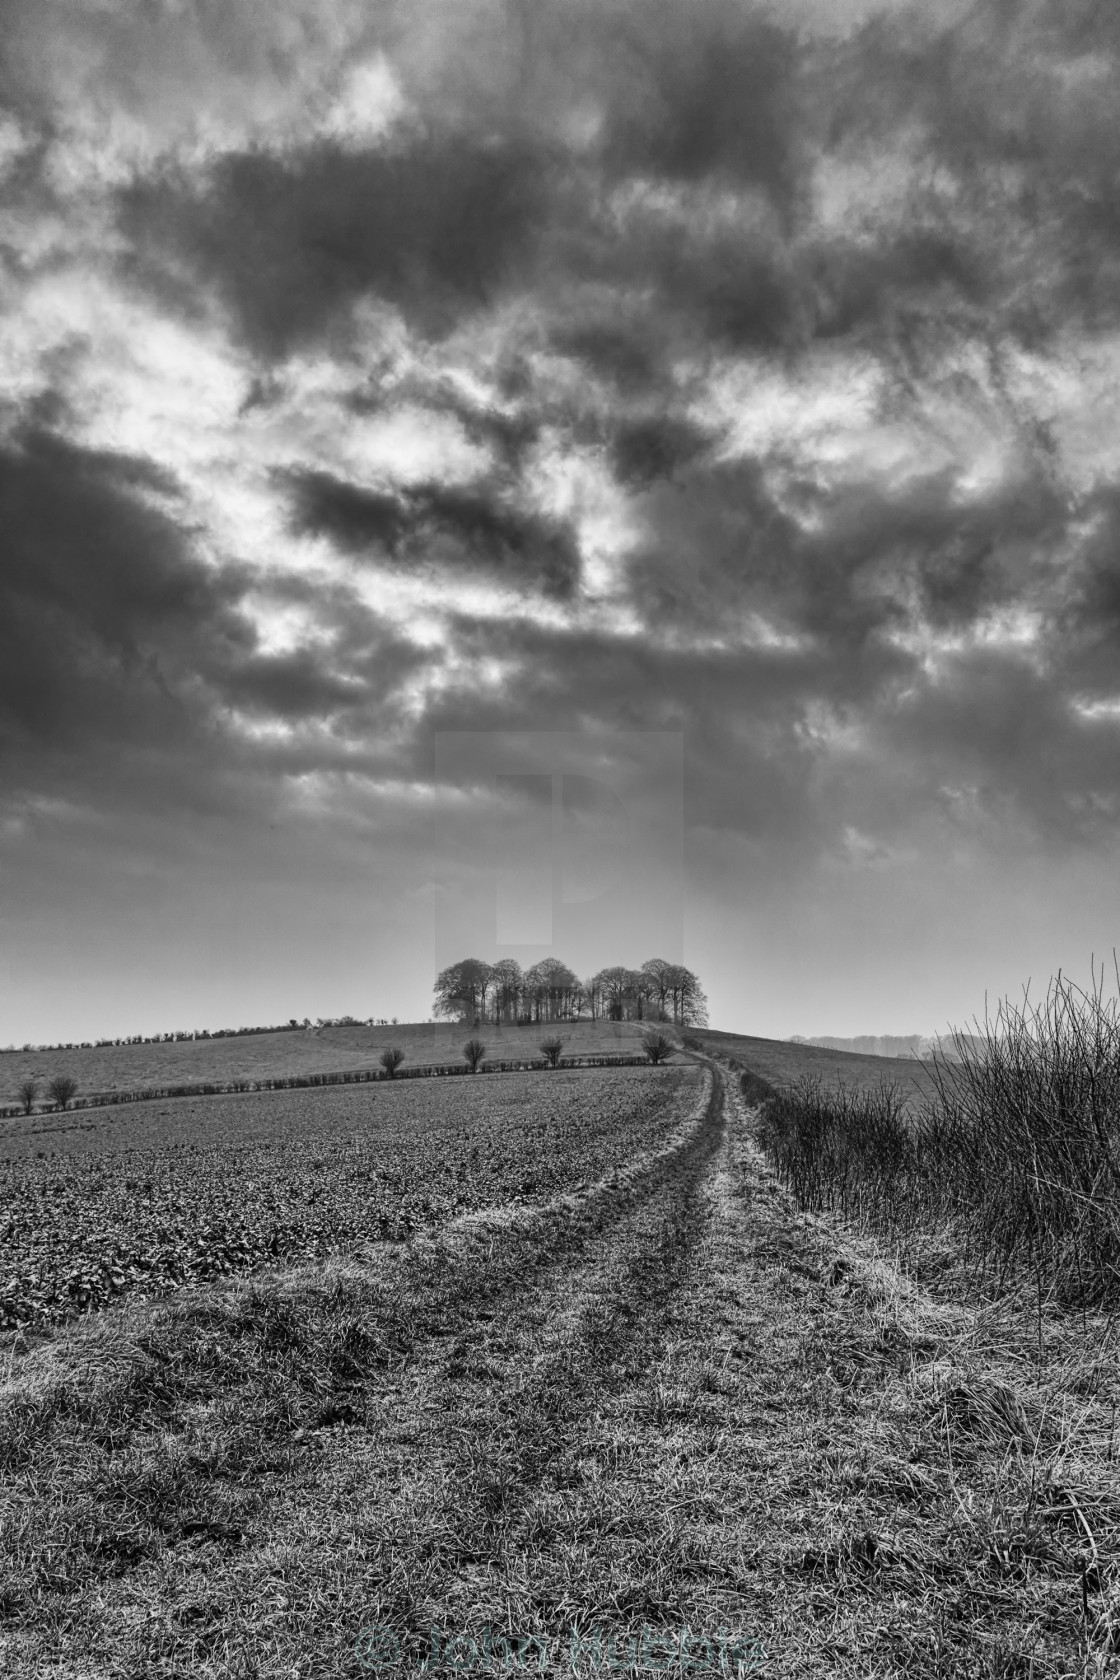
1016,1147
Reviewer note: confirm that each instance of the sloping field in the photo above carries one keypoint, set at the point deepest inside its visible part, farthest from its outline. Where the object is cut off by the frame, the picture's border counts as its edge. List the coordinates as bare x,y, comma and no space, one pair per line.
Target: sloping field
286,1055
780,1063
152,1196
662,1422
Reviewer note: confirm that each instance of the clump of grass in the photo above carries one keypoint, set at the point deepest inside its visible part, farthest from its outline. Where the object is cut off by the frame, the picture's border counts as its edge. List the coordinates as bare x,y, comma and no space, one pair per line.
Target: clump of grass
1017,1145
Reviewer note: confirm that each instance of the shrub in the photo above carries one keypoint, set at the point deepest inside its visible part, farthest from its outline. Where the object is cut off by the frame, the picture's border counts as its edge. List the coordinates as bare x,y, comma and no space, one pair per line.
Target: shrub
1017,1148
657,1047
27,1091
391,1060
845,1149
62,1088
550,1049
473,1052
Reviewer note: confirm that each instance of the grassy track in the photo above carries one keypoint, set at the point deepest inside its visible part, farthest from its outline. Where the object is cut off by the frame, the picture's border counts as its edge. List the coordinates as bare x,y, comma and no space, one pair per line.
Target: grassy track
667,1400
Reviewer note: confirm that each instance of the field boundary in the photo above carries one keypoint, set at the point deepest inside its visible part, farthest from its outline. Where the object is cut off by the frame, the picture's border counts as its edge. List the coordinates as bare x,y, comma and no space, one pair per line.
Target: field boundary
308,1081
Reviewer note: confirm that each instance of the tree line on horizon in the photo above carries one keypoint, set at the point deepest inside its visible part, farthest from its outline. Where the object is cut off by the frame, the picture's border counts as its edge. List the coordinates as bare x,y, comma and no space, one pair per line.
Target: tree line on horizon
502,992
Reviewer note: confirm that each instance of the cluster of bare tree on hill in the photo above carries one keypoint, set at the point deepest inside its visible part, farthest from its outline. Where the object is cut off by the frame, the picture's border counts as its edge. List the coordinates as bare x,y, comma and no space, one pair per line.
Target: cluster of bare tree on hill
473,990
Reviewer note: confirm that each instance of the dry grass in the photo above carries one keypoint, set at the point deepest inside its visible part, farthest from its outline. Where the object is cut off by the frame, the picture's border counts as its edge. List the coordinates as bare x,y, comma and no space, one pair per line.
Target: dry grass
1014,1155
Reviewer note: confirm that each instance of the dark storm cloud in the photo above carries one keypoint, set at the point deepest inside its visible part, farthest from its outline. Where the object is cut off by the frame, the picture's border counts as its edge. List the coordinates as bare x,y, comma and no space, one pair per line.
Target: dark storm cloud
717,543
750,769
434,524
292,686
434,226
706,94
722,283
624,352
101,598
899,281
480,193
1017,212
1000,729
1087,619
597,219
955,563
355,518
119,646
654,447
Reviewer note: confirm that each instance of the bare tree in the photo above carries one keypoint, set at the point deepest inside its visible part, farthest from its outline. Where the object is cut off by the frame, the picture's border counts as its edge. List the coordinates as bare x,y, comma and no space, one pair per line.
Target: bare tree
657,973
694,1004
690,1006
27,1091
391,1060
473,1052
506,986
550,1049
461,989
613,984
637,993
473,991
552,986
657,1047
62,1088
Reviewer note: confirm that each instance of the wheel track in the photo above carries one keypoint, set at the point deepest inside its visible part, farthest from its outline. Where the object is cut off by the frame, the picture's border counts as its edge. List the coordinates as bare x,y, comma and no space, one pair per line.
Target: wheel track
506,1255
580,1322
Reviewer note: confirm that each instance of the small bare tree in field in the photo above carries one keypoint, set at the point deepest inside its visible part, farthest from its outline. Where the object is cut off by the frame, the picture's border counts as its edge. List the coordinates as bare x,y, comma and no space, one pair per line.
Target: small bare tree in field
391,1060
473,1052
550,1049
63,1089
657,1047
27,1091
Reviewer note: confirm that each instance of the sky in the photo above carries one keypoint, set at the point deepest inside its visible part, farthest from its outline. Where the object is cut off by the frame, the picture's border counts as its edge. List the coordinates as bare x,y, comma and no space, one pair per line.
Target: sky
603,478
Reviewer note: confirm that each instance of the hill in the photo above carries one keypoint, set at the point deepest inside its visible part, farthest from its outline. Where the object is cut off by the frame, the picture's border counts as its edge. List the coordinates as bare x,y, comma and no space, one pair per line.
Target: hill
781,1062
108,1069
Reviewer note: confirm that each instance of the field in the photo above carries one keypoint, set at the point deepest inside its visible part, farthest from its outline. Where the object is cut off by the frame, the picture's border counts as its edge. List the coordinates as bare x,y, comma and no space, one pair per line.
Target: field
781,1063
616,1404
297,1054
156,1195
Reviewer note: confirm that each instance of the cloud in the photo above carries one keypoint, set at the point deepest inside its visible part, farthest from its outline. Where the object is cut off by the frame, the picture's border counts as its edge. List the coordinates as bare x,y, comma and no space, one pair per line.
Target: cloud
434,228
727,368
435,526
103,601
